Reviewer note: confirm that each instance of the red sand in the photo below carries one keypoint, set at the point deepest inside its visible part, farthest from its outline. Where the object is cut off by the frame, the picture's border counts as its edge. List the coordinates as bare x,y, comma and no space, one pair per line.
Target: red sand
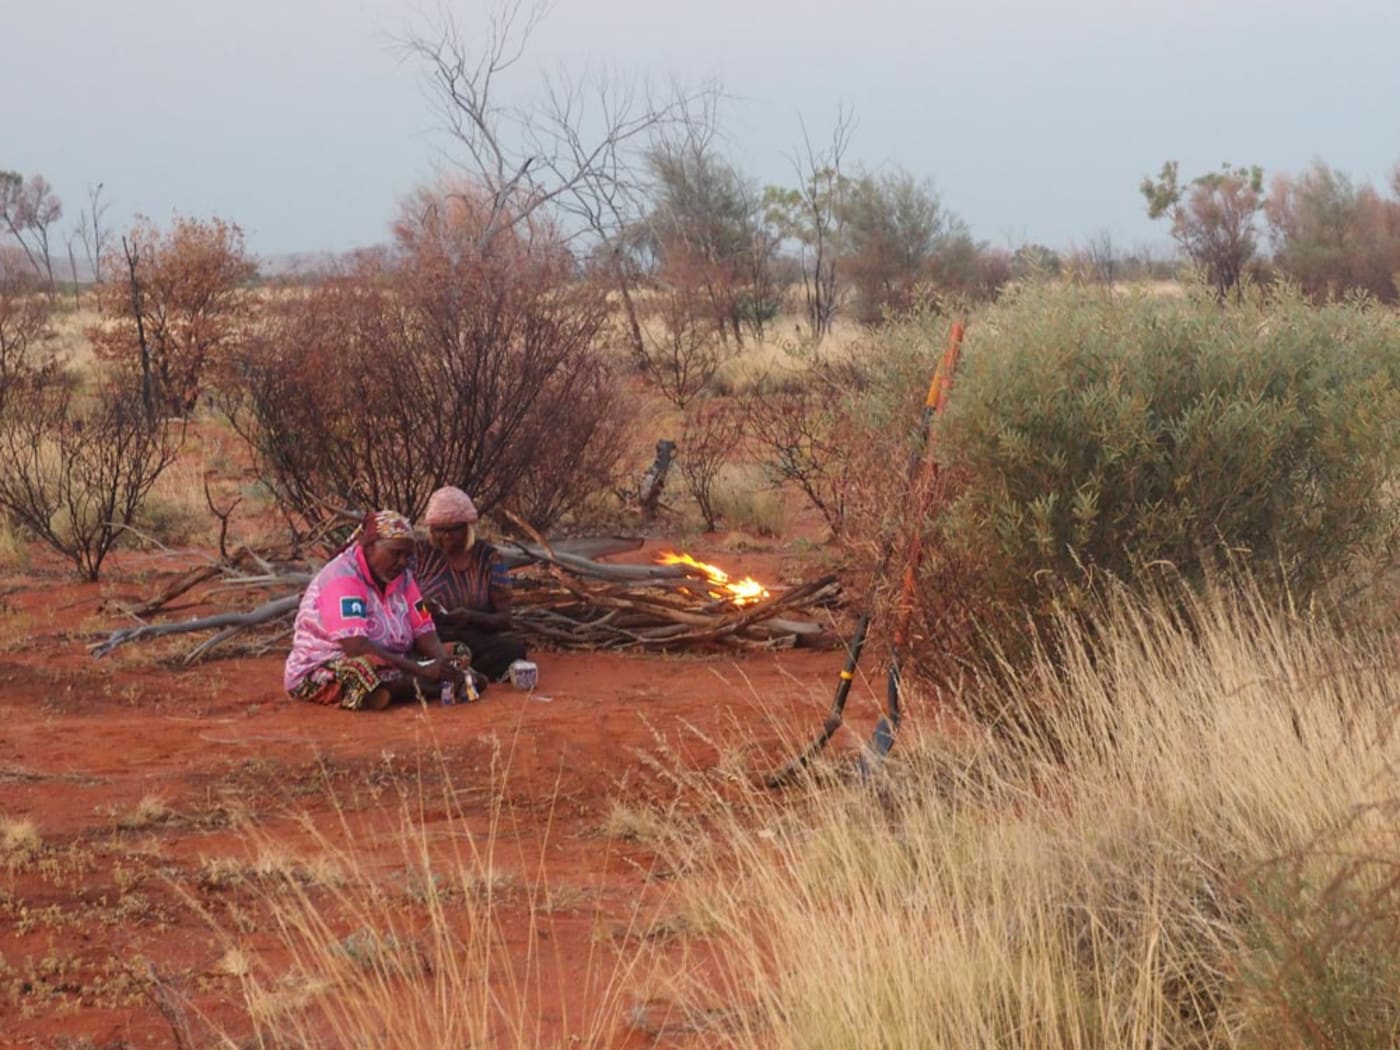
84,742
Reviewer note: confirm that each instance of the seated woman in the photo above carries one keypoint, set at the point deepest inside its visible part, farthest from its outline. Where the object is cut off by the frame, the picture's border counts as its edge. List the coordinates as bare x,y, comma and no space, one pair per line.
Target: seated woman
363,635
466,584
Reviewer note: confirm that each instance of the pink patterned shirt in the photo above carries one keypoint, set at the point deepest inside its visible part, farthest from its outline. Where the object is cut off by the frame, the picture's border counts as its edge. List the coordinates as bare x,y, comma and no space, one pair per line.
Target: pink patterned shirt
343,601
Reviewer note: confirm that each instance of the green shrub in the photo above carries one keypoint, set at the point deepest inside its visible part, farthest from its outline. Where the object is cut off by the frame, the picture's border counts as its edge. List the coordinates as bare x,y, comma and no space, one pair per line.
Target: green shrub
1323,954
1091,436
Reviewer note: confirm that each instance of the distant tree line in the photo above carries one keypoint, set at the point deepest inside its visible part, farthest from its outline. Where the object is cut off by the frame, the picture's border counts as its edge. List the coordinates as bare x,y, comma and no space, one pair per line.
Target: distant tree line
1329,235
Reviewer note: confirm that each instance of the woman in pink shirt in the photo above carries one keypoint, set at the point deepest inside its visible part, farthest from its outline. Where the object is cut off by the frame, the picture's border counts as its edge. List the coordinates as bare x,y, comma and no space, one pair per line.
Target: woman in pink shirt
363,636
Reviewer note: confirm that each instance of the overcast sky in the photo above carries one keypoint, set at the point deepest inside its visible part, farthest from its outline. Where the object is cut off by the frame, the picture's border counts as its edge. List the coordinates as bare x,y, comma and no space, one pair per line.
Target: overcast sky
1036,119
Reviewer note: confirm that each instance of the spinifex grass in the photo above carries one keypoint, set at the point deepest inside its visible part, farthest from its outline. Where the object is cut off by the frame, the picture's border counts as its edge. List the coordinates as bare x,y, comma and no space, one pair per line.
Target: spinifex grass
1191,843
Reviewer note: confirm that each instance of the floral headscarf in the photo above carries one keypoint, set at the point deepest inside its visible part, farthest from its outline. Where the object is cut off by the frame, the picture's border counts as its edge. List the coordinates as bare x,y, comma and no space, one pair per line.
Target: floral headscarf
384,525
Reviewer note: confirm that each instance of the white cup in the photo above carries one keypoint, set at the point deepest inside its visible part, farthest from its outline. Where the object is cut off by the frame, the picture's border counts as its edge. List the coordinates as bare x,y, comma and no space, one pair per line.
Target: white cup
524,674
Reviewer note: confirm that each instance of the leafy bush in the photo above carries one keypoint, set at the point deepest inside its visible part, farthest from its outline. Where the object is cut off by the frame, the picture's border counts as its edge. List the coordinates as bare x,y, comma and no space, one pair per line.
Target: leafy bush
1090,436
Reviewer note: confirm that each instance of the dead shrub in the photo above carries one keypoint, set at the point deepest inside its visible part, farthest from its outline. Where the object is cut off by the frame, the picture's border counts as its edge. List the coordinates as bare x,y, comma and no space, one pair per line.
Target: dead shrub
682,349
436,363
174,306
831,429
74,471
713,431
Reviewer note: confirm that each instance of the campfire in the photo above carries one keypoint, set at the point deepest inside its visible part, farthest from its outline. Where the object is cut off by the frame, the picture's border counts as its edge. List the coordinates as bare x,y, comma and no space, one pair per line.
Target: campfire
679,602
740,592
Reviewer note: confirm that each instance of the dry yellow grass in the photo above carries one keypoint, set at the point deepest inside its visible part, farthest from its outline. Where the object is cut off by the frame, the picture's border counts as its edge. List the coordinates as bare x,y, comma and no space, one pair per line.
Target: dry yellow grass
69,338
1197,849
20,841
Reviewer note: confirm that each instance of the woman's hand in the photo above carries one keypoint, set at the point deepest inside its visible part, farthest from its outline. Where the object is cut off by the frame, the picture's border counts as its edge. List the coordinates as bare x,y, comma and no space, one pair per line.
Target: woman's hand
444,617
437,670
460,618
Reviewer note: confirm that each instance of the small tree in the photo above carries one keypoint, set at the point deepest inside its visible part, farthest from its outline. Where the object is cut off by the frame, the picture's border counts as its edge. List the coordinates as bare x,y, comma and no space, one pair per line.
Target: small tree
813,215
896,227
707,231
1331,236
1213,219
713,432
93,231
27,209
74,472
174,306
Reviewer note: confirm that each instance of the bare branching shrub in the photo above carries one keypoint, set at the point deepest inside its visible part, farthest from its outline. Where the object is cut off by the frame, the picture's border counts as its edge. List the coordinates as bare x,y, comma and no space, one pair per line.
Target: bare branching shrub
438,362
559,489
74,470
682,350
714,431
832,429
799,429
174,306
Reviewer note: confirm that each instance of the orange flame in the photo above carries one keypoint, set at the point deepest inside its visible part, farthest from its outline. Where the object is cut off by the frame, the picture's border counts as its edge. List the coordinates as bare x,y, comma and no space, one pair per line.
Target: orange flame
740,592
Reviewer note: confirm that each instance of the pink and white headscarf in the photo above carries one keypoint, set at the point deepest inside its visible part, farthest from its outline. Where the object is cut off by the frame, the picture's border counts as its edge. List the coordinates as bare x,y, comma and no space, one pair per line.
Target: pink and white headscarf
384,525
449,506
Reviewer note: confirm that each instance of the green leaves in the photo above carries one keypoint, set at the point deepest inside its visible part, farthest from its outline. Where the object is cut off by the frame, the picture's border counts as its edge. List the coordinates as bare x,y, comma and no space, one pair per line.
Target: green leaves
1098,433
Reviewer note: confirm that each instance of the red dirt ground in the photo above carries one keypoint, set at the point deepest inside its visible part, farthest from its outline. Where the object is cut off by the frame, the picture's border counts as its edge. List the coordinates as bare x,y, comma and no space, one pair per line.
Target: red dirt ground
88,917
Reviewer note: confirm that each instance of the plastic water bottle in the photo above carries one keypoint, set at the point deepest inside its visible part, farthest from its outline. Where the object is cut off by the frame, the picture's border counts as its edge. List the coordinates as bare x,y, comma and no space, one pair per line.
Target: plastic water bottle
448,697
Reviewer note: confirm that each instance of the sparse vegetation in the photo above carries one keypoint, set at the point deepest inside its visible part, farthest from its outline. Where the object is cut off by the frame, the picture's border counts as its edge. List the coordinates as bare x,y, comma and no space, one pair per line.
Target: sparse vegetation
1145,789
1195,851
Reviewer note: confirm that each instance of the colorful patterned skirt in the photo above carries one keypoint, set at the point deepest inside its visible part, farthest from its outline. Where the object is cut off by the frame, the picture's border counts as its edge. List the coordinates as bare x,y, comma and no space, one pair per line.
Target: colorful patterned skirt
345,683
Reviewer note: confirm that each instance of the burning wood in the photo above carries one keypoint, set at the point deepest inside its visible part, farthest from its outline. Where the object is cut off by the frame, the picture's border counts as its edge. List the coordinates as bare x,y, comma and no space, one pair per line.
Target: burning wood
564,598
740,592
693,605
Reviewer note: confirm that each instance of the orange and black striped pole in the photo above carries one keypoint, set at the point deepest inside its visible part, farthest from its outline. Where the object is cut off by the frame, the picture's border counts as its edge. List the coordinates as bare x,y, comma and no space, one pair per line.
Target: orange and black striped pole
934,402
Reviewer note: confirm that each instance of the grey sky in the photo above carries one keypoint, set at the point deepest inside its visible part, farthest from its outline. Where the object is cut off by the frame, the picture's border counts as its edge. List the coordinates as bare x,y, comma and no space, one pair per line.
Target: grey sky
1036,121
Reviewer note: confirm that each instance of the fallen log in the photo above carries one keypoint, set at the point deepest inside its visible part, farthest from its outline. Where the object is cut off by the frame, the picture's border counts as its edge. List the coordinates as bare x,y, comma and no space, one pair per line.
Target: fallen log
264,613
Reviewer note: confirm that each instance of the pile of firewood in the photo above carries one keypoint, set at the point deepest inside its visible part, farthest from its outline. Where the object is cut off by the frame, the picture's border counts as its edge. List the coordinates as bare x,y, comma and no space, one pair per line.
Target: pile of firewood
565,598
599,606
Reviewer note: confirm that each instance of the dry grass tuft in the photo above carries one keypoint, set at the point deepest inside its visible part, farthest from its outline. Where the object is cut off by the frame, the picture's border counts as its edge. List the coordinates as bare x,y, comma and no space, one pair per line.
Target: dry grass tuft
151,810
1182,834
20,842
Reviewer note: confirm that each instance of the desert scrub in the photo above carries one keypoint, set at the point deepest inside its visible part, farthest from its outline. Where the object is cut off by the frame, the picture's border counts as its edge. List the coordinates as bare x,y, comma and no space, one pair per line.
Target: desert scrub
1092,435
1198,850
